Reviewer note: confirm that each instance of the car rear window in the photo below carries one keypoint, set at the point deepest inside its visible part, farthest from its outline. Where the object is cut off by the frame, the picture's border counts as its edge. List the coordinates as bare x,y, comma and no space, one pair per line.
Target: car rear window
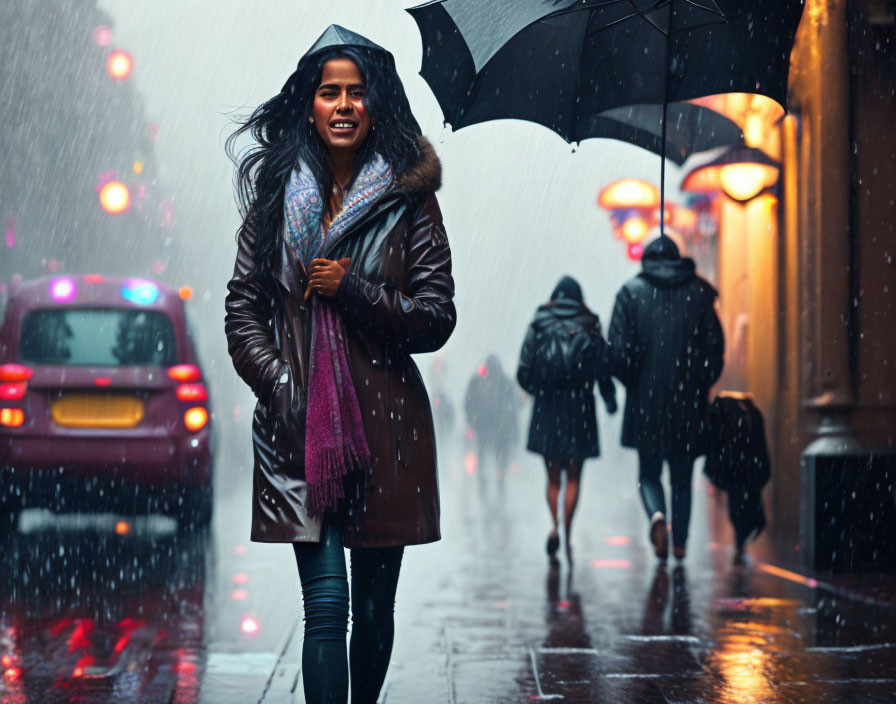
97,336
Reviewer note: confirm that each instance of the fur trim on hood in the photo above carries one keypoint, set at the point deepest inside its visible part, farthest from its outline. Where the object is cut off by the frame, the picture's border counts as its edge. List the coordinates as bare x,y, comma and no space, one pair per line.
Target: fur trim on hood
424,175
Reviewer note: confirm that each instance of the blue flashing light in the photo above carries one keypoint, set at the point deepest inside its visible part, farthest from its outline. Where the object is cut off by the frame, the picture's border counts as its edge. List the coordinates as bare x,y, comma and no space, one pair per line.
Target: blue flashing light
141,292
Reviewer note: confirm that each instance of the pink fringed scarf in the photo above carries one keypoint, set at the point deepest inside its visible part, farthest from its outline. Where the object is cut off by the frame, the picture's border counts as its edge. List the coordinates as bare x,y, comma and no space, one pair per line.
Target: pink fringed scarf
335,443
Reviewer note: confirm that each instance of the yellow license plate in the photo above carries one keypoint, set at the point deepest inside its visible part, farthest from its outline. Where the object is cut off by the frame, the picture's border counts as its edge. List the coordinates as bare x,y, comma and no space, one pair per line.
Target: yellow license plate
97,411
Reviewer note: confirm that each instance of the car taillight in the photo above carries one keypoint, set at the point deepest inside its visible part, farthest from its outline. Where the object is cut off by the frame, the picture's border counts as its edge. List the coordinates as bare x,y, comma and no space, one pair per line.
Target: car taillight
192,393
12,417
13,391
15,372
196,418
185,373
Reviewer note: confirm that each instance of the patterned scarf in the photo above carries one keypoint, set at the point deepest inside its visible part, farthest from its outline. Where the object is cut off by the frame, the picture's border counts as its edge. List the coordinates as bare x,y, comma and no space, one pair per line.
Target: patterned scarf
334,432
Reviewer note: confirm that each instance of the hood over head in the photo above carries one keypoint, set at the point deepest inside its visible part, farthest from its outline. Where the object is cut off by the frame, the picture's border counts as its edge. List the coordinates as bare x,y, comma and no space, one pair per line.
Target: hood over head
568,288
662,248
337,37
664,267
566,300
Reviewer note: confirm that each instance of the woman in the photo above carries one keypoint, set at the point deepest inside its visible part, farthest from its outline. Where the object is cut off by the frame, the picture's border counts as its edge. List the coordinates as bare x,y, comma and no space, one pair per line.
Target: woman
563,354
343,271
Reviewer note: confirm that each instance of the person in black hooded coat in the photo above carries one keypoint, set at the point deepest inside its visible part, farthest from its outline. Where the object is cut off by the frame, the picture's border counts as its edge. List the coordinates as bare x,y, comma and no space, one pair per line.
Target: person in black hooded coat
564,422
667,349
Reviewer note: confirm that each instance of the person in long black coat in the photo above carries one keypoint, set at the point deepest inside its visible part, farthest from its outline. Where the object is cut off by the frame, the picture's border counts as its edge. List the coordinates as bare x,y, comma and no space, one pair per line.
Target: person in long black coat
564,422
667,348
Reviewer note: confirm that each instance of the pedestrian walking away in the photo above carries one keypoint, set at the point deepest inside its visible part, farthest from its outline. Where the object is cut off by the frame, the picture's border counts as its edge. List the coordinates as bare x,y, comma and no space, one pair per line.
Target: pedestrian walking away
491,405
563,354
343,271
666,346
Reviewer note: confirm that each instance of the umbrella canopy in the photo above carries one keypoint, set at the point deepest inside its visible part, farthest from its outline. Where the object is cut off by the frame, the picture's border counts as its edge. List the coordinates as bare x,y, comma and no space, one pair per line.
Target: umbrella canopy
561,63
690,129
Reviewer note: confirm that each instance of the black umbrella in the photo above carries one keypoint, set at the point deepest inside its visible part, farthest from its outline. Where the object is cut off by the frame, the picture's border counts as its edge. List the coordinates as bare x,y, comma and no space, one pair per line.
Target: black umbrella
690,129
560,63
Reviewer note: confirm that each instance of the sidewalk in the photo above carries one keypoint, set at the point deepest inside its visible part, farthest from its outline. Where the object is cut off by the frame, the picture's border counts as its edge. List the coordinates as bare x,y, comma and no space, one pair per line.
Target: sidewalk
481,618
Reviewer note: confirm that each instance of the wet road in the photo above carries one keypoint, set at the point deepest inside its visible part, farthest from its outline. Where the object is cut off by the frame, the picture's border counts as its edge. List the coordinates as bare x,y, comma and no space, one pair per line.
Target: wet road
98,611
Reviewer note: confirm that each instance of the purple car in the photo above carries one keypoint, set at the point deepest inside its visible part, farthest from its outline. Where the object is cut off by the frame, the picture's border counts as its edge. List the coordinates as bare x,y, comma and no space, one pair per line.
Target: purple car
103,406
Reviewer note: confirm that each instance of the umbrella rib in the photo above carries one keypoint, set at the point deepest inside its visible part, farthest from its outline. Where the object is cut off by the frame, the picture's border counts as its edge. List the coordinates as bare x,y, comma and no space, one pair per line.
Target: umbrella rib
635,13
644,17
611,24
715,9
722,22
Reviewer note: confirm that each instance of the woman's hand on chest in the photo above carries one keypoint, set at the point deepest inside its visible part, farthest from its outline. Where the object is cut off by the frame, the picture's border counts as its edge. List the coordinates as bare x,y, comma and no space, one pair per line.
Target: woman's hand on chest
325,275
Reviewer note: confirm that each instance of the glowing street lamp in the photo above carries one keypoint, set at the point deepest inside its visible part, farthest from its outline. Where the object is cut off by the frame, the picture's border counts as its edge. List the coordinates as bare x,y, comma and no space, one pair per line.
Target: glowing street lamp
629,193
741,173
119,64
635,229
632,204
115,198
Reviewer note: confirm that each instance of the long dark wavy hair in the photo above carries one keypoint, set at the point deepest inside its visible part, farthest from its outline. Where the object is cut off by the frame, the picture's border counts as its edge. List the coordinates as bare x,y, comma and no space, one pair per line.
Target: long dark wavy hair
283,137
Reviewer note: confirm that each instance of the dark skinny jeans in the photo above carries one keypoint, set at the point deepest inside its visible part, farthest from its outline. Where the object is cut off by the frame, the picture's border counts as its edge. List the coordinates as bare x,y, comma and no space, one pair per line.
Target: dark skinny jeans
653,496
325,593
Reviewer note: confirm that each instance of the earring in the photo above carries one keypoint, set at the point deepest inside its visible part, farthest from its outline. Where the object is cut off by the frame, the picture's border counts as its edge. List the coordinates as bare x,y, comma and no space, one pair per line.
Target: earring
311,119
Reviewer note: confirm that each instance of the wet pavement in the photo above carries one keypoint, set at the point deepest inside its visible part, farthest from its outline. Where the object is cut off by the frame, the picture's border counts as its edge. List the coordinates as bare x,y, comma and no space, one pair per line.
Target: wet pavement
99,610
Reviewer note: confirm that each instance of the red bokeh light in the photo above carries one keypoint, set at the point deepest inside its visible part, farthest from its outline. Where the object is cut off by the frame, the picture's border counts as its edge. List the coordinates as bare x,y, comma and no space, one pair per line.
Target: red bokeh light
102,35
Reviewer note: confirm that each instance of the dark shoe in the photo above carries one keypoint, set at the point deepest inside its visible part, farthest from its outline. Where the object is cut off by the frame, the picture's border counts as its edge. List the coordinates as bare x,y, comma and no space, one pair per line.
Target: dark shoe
552,547
679,552
659,536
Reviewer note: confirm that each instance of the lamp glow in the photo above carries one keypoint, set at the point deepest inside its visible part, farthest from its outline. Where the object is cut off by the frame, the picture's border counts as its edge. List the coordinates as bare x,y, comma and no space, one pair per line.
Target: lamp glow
119,64
115,198
741,173
744,181
635,229
629,193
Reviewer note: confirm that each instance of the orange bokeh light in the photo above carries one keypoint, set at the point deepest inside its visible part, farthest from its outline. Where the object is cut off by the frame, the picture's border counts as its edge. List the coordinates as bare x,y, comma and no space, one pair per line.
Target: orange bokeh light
122,528
635,229
119,64
629,193
12,417
115,198
185,292
196,418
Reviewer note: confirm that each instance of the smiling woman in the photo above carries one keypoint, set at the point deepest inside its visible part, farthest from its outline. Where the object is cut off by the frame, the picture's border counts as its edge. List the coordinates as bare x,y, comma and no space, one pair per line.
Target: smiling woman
343,271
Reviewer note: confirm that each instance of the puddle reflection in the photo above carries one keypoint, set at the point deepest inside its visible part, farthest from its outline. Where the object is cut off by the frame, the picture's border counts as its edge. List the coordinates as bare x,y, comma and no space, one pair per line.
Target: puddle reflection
91,613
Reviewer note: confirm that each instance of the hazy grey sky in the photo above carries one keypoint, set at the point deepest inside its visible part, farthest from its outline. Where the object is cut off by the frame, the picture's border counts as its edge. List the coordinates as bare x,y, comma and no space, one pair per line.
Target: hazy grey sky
520,207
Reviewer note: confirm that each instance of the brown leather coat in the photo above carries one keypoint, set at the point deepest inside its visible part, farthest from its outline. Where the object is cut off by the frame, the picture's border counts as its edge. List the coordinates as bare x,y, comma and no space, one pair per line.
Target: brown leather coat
396,300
